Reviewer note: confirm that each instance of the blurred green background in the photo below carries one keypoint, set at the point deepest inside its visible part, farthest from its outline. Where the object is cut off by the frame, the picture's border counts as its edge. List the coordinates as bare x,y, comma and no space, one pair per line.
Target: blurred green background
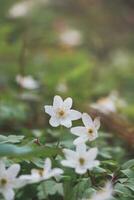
82,48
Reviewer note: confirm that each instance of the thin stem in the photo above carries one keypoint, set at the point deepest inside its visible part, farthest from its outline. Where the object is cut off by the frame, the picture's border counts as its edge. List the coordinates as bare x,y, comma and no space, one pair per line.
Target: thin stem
77,192
58,142
92,178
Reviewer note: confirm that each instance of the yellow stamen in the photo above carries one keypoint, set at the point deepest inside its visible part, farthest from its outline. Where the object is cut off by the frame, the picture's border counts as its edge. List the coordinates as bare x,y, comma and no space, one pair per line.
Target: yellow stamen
3,181
90,131
41,172
61,113
82,161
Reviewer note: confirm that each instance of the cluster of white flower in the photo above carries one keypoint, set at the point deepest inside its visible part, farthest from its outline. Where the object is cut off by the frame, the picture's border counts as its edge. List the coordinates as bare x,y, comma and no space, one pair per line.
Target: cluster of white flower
10,181
62,114
81,160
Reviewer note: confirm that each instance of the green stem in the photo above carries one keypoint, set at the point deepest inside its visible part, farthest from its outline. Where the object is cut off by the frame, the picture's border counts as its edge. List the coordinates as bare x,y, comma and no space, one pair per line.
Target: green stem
92,178
67,190
58,142
77,192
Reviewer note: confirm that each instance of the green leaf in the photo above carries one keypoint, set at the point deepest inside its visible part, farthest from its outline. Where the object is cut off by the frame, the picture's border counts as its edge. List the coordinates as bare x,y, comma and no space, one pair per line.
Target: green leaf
28,151
109,162
130,186
80,189
128,164
49,187
128,172
98,170
11,139
122,180
105,154
122,190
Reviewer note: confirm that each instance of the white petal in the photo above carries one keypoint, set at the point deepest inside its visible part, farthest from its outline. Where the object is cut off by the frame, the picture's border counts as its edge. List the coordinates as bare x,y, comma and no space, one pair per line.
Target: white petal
93,164
74,114
34,172
68,103
57,172
54,122
66,122
96,163
104,194
2,167
26,177
92,153
81,149
109,187
69,154
80,170
34,177
20,182
67,163
49,110
13,170
87,120
47,164
57,102
97,123
92,136
79,130
8,194
80,140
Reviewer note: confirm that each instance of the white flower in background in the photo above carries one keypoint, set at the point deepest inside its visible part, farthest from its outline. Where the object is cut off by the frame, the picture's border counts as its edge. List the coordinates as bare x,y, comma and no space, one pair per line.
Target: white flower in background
105,105
70,37
27,82
8,180
81,159
104,194
20,9
61,112
109,104
42,174
23,8
88,132
62,87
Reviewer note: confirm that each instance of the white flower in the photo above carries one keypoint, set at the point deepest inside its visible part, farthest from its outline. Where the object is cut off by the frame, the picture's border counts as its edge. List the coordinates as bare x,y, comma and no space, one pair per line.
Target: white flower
20,9
87,132
104,194
8,180
80,159
24,8
70,37
110,104
62,87
105,105
61,112
42,174
27,82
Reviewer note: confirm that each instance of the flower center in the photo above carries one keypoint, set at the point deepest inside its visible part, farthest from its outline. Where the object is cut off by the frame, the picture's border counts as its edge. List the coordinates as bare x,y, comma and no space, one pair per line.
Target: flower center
90,131
41,172
61,113
3,182
81,161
